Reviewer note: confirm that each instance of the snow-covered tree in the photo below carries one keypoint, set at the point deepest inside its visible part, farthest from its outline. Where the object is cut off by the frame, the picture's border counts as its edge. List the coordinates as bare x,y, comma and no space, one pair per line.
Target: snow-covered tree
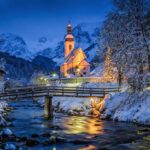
125,31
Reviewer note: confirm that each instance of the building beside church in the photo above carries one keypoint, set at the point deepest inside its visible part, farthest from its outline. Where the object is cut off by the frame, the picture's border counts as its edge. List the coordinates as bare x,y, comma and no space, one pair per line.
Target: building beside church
75,62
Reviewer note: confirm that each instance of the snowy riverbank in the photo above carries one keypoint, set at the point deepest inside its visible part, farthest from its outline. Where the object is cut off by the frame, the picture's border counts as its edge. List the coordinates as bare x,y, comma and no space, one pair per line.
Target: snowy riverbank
72,105
128,107
121,106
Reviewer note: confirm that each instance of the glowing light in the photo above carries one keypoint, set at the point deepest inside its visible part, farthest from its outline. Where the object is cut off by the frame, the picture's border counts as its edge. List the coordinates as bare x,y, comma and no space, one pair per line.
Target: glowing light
89,147
54,75
41,78
148,88
78,69
45,79
77,125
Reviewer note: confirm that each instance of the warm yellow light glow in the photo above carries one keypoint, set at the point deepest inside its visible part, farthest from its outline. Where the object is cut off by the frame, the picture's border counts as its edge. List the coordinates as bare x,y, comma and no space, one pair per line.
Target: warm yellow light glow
78,69
77,125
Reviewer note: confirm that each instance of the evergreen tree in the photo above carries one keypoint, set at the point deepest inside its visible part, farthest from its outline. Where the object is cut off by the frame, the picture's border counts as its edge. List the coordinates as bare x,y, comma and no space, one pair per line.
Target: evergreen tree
108,74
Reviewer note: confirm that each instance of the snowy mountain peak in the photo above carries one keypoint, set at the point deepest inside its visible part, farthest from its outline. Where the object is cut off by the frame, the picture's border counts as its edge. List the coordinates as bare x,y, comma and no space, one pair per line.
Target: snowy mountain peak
14,45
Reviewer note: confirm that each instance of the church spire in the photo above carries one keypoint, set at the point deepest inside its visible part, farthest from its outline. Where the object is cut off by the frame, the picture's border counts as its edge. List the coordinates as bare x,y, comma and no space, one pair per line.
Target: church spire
69,40
69,36
69,28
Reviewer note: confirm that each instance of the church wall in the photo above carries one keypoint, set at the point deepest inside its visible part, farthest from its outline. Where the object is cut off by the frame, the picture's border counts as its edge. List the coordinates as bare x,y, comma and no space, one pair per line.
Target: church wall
69,46
84,69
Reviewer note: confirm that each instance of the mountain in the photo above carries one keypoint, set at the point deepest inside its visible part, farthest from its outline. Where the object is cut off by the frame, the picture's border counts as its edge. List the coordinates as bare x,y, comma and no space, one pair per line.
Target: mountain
14,45
86,36
48,65
18,68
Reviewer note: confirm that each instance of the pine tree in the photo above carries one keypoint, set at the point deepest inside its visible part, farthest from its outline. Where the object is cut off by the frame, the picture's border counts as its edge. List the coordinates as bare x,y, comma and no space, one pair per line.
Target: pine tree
108,74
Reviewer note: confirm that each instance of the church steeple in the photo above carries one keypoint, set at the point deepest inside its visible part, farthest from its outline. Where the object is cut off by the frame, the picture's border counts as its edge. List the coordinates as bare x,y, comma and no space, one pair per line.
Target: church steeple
69,28
69,40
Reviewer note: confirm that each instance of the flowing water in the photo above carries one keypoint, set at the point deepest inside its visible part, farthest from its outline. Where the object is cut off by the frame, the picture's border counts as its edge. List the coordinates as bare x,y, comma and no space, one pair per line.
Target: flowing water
75,132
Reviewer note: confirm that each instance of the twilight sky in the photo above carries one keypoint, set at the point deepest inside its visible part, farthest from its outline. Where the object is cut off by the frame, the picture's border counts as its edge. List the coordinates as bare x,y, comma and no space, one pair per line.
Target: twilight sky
32,19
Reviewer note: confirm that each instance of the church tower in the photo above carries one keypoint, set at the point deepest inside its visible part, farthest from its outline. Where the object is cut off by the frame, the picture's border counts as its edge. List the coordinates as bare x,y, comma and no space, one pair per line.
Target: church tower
69,41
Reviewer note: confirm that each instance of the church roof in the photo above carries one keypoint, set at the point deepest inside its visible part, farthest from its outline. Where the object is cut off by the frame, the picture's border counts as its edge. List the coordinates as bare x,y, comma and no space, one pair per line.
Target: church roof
73,53
85,63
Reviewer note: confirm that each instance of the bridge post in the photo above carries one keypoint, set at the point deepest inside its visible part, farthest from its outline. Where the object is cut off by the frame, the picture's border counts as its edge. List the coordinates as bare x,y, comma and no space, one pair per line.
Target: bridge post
48,110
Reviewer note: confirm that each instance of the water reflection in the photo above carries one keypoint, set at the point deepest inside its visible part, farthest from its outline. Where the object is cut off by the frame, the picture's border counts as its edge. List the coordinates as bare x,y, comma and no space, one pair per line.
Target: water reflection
90,133
78,125
89,147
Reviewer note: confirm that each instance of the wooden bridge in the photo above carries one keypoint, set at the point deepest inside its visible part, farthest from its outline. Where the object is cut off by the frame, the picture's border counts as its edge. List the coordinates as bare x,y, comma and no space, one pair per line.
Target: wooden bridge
48,92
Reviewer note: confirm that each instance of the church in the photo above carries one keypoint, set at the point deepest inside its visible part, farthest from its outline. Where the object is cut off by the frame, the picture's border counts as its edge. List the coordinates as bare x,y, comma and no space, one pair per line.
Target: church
75,63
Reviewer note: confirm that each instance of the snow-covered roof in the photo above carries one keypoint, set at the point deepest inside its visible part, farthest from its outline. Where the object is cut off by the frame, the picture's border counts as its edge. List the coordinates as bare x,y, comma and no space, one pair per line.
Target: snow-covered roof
73,54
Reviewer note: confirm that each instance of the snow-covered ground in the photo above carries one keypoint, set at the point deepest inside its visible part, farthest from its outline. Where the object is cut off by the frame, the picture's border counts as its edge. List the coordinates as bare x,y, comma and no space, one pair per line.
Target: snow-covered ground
72,105
127,106
101,85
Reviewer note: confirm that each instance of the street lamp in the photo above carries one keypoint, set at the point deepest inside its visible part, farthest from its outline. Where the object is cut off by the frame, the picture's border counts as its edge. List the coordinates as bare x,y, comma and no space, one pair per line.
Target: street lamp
54,75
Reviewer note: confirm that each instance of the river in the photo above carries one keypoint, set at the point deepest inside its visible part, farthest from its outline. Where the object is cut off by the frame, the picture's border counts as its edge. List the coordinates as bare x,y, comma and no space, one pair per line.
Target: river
73,132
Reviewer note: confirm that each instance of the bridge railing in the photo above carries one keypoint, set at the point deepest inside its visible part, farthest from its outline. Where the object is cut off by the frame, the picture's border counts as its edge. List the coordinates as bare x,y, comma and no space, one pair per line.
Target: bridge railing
55,88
